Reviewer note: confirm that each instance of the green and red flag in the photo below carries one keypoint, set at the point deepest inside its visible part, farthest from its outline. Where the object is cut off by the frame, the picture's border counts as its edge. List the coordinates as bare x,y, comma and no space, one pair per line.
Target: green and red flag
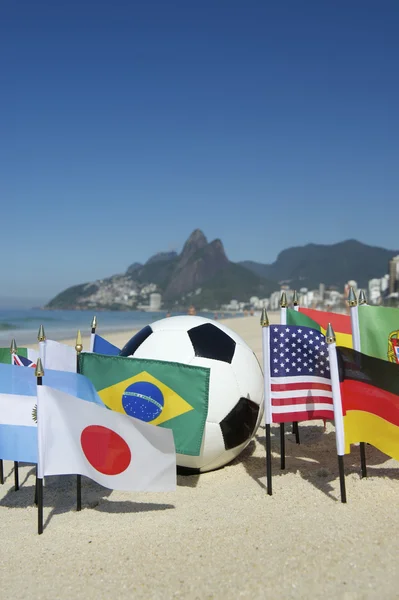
166,394
319,319
379,332
370,401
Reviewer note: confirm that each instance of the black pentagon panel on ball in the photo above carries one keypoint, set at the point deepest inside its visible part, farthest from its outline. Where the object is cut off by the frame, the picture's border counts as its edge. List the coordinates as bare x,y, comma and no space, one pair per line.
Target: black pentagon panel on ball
135,342
211,342
238,426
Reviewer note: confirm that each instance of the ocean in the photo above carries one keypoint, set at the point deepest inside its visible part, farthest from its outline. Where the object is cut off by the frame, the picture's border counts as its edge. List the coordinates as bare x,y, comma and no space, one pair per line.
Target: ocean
23,325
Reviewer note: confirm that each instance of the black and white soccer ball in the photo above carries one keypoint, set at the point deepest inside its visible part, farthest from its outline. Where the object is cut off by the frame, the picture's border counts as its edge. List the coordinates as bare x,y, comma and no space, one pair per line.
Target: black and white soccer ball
235,403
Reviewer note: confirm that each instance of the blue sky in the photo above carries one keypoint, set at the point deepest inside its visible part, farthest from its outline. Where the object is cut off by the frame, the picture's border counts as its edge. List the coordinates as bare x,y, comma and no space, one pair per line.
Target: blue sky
126,125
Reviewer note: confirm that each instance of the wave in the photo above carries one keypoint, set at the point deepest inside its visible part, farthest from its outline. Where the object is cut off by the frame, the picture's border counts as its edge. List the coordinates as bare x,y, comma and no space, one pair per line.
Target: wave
7,326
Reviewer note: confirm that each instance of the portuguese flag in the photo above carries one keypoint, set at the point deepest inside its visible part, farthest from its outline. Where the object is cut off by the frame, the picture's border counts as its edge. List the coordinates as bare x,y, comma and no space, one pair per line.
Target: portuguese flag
319,319
379,332
166,394
370,401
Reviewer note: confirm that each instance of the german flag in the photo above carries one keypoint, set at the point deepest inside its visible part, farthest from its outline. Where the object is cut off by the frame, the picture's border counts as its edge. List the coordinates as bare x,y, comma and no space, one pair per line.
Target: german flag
370,401
319,319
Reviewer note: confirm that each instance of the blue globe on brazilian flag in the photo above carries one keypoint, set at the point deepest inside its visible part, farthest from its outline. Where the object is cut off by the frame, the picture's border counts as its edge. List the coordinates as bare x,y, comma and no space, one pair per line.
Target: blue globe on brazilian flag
165,394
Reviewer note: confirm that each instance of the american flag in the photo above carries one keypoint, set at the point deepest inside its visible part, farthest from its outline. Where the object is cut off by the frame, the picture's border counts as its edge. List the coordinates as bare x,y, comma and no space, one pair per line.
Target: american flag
300,374
21,361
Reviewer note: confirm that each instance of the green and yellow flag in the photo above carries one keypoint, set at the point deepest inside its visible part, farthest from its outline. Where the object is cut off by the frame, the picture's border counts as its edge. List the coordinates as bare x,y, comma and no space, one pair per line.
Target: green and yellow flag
379,332
166,394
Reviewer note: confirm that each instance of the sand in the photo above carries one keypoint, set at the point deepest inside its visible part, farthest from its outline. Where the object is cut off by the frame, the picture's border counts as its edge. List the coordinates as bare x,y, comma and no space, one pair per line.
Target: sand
219,535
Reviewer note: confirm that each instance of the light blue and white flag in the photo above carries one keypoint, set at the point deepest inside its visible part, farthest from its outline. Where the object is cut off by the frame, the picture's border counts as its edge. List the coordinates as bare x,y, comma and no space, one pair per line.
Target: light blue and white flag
18,429
18,398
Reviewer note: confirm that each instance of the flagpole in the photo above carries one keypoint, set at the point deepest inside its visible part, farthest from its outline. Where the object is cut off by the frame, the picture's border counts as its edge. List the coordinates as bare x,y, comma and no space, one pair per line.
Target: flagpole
79,348
295,426
39,372
264,321
337,403
93,333
13,351
283,321
353,305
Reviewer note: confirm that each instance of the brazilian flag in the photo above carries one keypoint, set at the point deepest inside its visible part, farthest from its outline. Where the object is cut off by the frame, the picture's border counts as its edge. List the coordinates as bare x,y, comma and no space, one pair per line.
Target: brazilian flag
166,394
5,355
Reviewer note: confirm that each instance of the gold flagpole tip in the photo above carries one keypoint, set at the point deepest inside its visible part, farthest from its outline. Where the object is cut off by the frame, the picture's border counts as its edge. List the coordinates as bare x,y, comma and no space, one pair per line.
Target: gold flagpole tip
94,322
13,347
41,336
39,371
330,335
283,300
264,319
295,299
78,345
362,297
352,300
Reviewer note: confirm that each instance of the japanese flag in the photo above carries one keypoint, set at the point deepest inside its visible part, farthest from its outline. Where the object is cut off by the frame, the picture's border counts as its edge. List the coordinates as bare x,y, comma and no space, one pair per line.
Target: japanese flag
115,450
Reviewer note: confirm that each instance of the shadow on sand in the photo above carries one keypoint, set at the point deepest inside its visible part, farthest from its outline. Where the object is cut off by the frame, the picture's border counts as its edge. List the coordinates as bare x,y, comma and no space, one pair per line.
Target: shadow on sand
315,459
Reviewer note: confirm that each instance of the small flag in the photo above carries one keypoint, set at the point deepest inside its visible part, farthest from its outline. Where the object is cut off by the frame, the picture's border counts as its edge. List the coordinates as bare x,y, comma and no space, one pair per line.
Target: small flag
170,395
370,401
299,375
319,319
21,361
102,346
379,332
29,353
115,450
18,431
57,356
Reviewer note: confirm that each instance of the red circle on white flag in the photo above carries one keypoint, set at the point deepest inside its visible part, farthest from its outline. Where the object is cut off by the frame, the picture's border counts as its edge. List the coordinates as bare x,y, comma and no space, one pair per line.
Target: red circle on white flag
105,450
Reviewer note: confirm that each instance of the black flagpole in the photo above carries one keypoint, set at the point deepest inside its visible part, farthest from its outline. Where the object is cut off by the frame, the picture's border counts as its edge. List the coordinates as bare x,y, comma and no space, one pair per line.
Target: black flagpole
39,481
363,459
282,446
16,476
295,431
268,460
79,348
1,472
342,478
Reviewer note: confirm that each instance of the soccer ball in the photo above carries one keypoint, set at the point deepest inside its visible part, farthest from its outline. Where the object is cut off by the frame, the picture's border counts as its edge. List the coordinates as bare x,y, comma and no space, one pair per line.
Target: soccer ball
235,403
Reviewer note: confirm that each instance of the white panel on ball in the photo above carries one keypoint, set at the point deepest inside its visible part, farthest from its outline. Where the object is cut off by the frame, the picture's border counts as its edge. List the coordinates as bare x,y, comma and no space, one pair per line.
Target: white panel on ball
248,373
172,346
212,451
223,389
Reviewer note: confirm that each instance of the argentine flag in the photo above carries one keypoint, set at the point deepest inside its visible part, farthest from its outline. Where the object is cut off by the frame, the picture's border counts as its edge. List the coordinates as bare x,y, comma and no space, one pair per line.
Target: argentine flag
18,398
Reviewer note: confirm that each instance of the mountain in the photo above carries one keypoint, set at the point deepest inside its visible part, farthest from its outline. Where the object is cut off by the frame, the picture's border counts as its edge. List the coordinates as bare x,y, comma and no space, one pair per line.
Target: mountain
333,265
201,275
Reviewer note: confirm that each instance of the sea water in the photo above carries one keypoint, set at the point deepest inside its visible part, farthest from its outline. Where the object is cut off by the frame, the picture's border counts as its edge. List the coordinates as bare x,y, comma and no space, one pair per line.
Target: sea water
23,325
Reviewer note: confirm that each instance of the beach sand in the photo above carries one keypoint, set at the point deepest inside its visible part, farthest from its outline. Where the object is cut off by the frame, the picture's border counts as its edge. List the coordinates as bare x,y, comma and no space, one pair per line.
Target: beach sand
219,535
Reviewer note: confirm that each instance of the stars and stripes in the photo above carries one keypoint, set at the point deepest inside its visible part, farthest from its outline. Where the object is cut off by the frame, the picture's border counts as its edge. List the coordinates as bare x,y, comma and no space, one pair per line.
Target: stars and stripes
299,374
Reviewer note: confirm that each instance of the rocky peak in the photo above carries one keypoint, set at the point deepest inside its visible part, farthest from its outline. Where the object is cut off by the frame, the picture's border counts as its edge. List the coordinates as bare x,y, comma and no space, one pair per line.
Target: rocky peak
195,242
161,257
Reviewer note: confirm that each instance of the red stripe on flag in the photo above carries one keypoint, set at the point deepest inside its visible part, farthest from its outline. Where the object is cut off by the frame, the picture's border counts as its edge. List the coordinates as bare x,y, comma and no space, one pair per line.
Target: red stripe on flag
286,387
302,416
301,400
340,323
357,395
